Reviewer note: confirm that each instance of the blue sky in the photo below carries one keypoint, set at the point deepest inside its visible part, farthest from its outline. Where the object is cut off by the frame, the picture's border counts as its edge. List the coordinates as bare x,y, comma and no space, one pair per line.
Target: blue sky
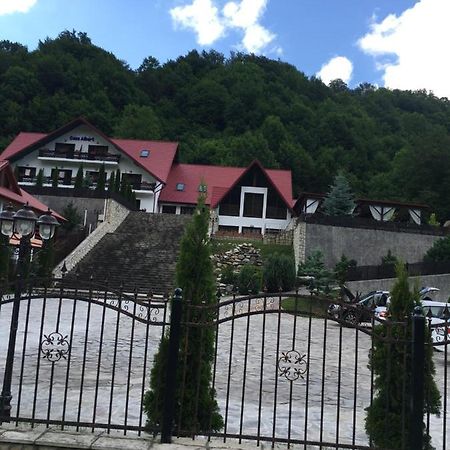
393,43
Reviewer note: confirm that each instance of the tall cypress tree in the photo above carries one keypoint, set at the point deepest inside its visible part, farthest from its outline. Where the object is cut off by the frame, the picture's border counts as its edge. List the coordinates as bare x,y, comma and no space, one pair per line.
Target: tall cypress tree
111,183
387,421
117,181
196,406
101,183
79,178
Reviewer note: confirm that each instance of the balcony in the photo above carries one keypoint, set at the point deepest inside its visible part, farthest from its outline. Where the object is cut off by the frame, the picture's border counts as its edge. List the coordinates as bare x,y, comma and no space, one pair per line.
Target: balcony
78,155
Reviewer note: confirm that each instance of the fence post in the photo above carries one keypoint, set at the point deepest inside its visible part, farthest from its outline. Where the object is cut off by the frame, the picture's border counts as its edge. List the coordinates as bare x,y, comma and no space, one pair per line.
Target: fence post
171,368
417,380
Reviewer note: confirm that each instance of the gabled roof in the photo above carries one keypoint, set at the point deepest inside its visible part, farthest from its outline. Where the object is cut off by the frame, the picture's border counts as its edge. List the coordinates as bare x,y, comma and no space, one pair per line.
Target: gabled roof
219,181
14,194
158,163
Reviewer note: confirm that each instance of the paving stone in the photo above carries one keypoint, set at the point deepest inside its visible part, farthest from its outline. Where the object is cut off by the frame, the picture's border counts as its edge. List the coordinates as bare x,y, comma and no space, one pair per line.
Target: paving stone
66,439
21,436
116,443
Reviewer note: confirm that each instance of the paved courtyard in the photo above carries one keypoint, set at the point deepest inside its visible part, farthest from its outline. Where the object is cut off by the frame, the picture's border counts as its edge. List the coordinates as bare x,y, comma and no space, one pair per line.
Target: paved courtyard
251,405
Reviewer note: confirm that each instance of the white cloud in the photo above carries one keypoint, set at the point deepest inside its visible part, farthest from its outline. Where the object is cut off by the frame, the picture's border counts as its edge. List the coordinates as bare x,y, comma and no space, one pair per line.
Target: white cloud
202,17
412,48
210,24
15,6
337,67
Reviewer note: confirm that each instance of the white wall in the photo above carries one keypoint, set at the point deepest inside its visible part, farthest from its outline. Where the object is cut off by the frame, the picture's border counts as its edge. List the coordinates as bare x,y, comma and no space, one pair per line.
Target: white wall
126,165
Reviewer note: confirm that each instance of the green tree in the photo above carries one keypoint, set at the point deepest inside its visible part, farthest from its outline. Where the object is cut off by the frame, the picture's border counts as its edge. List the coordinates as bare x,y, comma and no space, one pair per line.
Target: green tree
439,251
341,269
45,259
390,360
40,178
340,200
279,272
79,178
55,177
72,216
117,183
138,122
195,275
101,182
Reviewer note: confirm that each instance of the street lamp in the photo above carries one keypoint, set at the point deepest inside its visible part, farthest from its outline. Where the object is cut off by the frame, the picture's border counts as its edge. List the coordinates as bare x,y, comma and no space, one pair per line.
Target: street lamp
20,225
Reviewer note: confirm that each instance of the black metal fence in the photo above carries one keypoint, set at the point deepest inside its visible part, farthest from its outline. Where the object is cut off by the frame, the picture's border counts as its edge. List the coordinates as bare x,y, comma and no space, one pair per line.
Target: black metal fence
284,370
82,356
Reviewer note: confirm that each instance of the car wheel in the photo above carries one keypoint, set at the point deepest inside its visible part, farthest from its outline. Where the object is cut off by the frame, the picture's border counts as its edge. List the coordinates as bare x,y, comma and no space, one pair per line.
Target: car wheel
351,318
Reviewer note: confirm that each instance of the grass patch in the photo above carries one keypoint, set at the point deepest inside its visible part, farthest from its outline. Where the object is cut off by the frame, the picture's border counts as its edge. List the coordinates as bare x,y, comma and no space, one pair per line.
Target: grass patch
317,306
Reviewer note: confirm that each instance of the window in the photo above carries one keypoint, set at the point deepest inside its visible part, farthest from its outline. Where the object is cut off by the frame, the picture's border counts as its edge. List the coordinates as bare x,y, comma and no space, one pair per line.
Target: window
64,150
180,186
26,174
145,153
251,230
276,209
169,209
133,179
253,204
202,188
97,151
64,176
187,209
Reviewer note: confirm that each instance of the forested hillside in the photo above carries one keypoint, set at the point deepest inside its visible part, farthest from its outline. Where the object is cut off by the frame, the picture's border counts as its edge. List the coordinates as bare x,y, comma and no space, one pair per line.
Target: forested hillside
230,110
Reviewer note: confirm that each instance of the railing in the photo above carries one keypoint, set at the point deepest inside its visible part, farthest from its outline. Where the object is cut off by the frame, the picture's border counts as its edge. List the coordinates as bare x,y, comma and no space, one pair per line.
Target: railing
77,154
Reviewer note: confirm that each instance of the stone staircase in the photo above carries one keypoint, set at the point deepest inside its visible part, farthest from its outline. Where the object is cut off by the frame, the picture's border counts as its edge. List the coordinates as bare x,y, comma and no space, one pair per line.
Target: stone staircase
142,252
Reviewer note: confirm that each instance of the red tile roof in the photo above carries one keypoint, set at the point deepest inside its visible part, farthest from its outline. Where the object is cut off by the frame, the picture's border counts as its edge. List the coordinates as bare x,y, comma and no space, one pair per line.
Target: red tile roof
160,159
219,180
16,195
158,163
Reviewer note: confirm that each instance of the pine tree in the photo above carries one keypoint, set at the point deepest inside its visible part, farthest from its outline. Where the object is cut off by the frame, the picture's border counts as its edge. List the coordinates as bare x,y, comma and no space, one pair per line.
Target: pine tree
194,274
79,178
387,421
40,178
55,177
101,182
339,201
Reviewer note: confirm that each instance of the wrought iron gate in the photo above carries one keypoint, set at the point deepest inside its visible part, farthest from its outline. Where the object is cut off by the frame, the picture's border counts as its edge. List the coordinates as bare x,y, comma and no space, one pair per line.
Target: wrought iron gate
300,377
82,355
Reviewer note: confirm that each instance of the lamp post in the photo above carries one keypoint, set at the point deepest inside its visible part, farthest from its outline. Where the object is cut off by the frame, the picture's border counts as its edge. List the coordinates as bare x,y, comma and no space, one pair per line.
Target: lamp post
20,225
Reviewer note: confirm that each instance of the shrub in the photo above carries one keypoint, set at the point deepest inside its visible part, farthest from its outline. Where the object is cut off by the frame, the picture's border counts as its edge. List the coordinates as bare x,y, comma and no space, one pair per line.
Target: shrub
341,269
279,272
389,259
440,251
249,280
322,278
228,276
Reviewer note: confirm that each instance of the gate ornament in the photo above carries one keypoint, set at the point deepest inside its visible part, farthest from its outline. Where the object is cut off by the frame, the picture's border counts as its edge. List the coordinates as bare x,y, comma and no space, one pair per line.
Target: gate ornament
292,365
55,346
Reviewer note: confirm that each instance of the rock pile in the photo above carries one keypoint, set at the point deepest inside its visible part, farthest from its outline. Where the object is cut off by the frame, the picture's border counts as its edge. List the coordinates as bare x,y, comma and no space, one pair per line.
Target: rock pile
240,255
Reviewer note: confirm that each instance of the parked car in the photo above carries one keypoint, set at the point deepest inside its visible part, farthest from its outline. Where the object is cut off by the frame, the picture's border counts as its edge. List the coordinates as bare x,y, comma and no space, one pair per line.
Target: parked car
360,310
435,312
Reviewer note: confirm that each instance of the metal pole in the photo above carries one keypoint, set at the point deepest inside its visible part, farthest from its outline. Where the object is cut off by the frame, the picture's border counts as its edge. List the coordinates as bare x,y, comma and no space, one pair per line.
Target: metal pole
171,369
417,380
5,397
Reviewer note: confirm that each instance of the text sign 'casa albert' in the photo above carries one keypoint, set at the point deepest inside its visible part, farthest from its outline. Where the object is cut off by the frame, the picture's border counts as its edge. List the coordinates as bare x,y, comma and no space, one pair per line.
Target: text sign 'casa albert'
82,138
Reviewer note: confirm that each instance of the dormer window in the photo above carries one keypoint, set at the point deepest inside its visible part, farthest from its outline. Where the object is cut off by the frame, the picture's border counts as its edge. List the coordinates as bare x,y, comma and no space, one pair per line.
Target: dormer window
145,153
180,186
202,188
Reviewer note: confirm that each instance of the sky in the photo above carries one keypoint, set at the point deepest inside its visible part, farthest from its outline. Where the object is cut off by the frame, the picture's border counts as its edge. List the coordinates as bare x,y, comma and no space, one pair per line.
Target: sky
399,44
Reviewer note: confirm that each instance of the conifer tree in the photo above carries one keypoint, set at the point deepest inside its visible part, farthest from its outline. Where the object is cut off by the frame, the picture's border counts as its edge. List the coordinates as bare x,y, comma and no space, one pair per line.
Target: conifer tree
40,178
339,201
194,274
79,178
101,182
387,421
55,177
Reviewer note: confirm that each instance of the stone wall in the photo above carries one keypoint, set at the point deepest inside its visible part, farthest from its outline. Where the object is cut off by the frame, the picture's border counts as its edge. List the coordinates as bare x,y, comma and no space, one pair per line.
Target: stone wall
115,214
441,282
284,237
366,246
91,207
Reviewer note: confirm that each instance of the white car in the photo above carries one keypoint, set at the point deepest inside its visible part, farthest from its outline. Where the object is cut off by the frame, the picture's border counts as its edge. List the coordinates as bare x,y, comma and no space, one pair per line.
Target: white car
436,314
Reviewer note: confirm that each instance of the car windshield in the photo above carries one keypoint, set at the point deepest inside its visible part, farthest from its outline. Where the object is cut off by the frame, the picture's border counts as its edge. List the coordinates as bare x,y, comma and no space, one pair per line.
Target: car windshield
436,311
